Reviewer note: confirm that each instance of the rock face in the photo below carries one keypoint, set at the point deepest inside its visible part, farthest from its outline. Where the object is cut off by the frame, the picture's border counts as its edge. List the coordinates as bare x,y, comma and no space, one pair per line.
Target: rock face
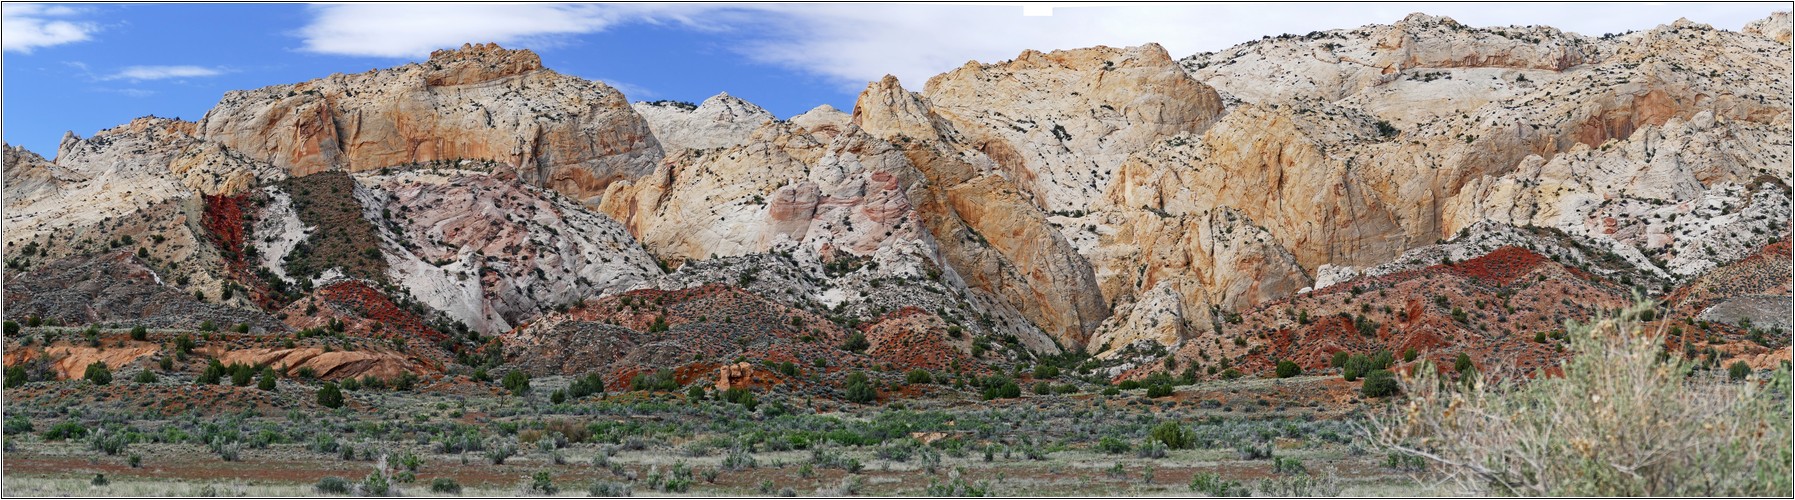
493,253
481,102
117,288
720,122
1776,27
1115,200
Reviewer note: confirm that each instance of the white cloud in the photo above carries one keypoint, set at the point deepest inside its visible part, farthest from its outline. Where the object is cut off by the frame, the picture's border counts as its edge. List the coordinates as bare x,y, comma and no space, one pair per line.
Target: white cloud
851,44
27,27
413,30
138,73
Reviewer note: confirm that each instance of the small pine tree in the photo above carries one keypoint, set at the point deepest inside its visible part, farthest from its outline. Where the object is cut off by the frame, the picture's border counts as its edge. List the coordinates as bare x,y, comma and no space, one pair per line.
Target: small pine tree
267,380
330,396
98,373
1287,369
517,382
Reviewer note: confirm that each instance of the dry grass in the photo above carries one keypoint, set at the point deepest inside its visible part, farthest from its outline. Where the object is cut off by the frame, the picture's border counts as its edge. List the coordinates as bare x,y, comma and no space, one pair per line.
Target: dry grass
1624,420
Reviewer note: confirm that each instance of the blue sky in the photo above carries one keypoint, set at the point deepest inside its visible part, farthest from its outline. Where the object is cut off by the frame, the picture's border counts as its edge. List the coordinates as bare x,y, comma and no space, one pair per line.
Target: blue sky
87,67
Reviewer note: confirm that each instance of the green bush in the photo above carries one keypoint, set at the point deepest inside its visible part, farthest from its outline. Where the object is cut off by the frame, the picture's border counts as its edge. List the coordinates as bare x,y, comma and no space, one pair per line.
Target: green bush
332,486
139,333
446,486
16,376
999,387
542,484
65,430
1463,363
330,396
1339,359
145,377
98,373
1159,390
267,379
1287,369
517,382
659,381
1042,388
1379,383
1738,371
1172,435
858,389
1212,484
856,343
1113,446
591,383
918,376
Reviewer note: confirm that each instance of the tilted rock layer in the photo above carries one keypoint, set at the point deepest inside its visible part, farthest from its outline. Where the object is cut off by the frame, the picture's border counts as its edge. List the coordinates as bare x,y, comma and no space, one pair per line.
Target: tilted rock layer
1102,199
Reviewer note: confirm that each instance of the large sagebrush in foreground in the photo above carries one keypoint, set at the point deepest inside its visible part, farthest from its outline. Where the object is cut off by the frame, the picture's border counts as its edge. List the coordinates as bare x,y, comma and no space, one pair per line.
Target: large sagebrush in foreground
1625,419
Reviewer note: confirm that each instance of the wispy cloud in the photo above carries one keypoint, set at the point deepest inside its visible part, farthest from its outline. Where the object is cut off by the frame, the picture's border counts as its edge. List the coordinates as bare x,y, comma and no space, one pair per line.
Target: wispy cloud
28,27
413,30
140,73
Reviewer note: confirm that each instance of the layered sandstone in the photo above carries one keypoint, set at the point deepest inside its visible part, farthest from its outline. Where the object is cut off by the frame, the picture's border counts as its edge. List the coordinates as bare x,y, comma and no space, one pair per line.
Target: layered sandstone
481,102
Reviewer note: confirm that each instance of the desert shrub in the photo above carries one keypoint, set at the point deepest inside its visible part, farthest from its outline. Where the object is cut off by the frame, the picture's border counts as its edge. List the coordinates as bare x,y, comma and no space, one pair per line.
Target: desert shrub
98,373
139,333
956,486
856,343
144,377
517,382
1253,450
1287,369
65,430
1463,363
1113,446
332,486
1212,484
1042,388
17,424
241,374
1379,383
1299,485
738,459
330,396
1409,355
660,381
1738,371
608,489
1287,465
376,484
1621,421
16,376
591,383
918,376
446,486
1171,434
858,389
1159,390
541,484
266,382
